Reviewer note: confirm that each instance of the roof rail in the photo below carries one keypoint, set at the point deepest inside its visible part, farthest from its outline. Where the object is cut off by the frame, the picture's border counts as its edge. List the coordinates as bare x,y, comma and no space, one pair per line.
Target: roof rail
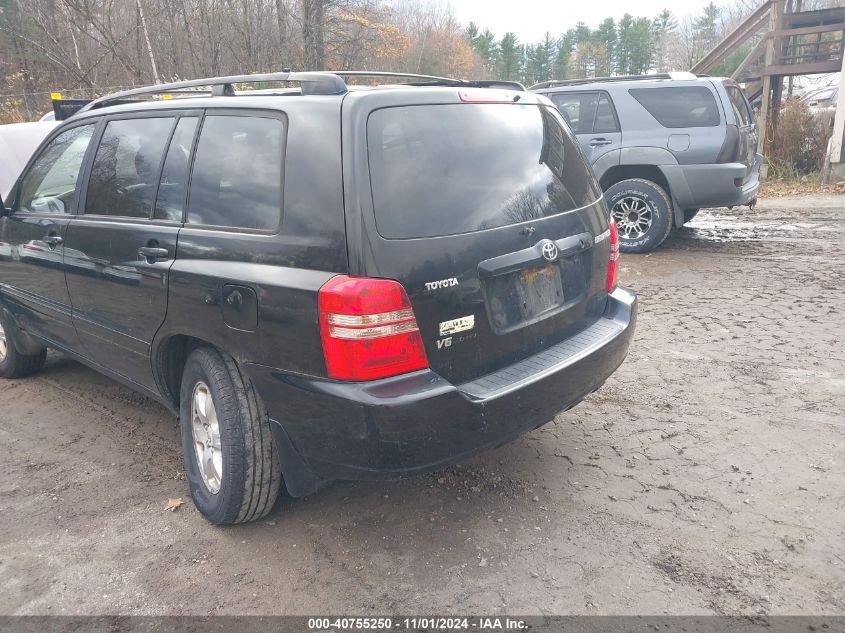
677,76
380,73
311,83
433,80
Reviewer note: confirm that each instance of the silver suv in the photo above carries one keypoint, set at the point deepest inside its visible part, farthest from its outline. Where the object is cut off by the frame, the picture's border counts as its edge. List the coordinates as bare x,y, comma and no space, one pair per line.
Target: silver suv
662,147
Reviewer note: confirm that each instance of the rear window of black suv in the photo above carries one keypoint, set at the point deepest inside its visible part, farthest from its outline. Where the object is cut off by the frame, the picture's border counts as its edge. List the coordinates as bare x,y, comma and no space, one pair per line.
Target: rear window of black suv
455,168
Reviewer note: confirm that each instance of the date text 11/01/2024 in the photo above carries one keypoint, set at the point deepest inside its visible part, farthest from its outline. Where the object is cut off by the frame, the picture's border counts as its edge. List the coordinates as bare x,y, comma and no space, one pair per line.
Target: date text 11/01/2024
417,623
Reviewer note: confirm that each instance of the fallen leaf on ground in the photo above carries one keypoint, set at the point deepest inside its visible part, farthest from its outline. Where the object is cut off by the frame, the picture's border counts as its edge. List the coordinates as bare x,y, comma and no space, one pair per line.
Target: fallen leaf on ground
173,504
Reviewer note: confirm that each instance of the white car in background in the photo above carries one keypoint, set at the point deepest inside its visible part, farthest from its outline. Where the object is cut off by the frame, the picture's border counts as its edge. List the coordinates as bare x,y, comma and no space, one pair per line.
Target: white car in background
822,100
18,141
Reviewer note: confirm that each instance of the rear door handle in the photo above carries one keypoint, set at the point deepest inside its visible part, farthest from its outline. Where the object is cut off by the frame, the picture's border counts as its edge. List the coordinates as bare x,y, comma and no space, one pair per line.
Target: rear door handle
53,240
154,254
600,141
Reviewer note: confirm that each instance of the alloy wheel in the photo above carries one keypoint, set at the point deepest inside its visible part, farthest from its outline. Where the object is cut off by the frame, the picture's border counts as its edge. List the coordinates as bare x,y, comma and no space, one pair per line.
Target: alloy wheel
206,433
633,217
4,344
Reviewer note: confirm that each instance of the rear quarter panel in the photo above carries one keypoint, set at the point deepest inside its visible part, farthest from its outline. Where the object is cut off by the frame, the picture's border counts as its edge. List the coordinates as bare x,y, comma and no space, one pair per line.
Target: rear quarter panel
688,146
285,269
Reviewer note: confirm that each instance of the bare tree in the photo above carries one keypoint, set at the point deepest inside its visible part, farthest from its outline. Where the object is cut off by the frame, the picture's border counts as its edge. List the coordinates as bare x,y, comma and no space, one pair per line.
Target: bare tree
143,23
313,34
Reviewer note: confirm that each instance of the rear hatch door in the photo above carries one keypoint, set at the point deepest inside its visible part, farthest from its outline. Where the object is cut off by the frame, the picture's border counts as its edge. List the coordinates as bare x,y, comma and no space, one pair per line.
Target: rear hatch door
481,204
747,151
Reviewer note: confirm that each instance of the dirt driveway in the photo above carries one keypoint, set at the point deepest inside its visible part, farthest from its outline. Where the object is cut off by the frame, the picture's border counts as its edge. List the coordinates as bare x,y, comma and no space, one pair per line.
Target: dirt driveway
707,476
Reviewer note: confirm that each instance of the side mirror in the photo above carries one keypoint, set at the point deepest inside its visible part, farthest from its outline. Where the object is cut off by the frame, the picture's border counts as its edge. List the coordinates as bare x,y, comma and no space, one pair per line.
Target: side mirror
3,210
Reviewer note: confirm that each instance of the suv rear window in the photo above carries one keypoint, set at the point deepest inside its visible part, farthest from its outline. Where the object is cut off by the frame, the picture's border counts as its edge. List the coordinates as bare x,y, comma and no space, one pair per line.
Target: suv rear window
688,106
454,168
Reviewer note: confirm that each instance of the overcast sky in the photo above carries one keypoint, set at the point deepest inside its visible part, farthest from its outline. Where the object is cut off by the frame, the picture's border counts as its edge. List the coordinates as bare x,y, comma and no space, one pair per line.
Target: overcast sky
530,19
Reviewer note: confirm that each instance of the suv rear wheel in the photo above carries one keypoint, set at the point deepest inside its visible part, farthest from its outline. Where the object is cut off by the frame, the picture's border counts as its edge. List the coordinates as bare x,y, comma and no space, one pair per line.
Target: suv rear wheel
231,460
13,364
643,214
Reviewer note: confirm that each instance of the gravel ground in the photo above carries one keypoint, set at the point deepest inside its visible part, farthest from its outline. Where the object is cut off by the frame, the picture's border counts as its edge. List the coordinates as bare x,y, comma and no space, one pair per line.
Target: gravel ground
706,476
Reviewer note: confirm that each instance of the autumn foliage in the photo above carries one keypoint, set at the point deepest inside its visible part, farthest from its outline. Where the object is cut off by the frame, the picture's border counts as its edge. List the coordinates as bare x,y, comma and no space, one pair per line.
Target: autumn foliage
84,48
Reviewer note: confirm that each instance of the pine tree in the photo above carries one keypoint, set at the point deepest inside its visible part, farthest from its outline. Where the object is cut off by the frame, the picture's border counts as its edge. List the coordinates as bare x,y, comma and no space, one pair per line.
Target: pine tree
529,64
510,57
487,49
582,33
471,32
562,68
544,56
663,29
706,27
624,44
642,47
605,40
583,58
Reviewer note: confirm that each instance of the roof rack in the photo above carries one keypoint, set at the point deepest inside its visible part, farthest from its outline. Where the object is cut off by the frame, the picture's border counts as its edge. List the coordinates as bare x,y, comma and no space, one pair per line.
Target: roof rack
677,76
311,83
433,80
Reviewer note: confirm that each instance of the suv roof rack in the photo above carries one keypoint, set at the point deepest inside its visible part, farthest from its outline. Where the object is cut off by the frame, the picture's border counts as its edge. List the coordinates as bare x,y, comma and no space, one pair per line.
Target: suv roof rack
677,76
311,83
434,80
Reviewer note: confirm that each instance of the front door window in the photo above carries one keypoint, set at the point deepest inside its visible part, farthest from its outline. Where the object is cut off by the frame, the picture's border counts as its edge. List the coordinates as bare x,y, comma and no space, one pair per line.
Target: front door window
50,185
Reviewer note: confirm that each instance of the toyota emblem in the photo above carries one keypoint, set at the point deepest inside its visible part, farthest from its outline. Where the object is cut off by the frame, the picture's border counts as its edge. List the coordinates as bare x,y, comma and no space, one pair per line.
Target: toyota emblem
549,251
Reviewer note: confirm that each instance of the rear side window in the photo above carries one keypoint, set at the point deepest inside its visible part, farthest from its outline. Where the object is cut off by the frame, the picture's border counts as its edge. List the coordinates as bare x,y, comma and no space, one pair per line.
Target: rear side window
586,112
50,184
174,174
446,169
679,106
740,105
124,176
237,175
578,108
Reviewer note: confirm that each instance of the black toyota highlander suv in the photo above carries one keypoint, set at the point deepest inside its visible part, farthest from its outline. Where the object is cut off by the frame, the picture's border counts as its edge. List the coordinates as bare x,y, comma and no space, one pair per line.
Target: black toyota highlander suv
325,282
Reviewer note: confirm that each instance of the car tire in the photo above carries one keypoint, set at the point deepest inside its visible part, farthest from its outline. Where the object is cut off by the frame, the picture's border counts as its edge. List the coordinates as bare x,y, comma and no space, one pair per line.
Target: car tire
689,214
643,214
231,460
13,364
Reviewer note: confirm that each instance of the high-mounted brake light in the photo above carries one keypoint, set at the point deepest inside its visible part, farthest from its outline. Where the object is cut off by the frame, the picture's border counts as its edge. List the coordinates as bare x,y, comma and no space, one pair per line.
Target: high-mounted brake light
486,95
368,329
613,264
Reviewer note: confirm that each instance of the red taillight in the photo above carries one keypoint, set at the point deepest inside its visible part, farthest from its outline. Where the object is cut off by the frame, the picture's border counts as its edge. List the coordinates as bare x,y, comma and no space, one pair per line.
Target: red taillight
613,264
368,329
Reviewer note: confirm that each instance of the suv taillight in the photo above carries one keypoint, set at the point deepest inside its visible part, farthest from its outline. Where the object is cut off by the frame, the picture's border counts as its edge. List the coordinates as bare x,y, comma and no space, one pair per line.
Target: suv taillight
368,329
730,146
613,264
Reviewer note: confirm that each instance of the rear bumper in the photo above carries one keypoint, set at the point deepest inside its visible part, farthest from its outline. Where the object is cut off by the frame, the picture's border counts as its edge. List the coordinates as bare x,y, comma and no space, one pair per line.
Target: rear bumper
713,185
329,430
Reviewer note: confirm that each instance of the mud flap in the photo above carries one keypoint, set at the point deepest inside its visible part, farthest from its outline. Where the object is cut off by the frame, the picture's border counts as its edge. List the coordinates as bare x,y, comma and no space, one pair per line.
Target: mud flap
298,478
677,212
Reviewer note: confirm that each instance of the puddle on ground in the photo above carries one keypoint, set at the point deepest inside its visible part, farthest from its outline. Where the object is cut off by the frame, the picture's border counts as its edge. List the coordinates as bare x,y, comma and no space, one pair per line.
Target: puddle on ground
714,228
